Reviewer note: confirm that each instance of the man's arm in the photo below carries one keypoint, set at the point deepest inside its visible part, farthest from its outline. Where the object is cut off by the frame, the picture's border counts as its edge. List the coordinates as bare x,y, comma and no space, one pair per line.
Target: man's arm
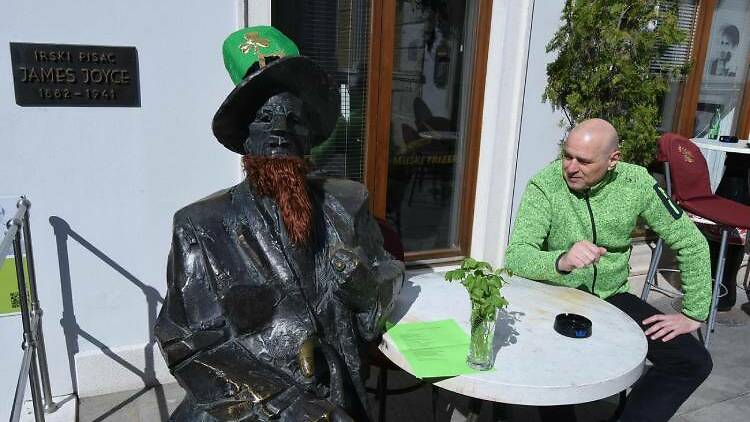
525,256
682,236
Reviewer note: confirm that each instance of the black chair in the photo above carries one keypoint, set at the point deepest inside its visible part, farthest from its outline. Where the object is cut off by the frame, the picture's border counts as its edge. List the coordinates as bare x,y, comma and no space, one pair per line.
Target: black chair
392,244
412,139
422,113
425,120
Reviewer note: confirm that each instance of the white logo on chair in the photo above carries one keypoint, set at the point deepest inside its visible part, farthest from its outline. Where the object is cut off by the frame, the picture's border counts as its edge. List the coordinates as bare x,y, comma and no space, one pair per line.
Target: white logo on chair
686,154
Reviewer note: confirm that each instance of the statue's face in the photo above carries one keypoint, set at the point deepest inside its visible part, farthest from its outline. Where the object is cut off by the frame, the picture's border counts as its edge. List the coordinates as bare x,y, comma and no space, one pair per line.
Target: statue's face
280,128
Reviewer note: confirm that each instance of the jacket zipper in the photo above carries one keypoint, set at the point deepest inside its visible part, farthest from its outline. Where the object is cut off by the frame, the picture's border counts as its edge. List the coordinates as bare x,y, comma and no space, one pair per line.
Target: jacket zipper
593,231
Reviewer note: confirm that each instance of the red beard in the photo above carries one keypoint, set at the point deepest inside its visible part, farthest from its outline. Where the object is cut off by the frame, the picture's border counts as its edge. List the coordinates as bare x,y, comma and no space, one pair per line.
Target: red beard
284,180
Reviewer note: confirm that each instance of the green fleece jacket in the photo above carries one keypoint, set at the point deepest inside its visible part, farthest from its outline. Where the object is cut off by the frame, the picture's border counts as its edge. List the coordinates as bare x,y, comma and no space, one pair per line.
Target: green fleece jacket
551,218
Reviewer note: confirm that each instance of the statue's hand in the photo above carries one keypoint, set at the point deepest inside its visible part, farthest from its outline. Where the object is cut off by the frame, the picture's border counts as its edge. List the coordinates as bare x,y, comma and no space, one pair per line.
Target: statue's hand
354,285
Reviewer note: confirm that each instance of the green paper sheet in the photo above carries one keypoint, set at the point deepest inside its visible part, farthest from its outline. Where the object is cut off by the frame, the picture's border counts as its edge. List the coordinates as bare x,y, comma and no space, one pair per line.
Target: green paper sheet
433,349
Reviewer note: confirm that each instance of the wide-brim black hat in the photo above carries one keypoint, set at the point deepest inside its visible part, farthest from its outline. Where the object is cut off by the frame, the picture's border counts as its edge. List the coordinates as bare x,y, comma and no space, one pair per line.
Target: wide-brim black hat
297,75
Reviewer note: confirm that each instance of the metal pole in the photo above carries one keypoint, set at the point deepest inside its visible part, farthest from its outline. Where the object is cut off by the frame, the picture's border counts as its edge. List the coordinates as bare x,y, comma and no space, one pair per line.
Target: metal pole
651,279
7,244
36,310
718,278
28,337
23,376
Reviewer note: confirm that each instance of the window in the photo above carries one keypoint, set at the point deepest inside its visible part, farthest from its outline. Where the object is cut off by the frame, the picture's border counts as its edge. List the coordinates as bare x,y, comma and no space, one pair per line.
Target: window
715,89
335,35
724,71
427,112
677,55
411,78
429,122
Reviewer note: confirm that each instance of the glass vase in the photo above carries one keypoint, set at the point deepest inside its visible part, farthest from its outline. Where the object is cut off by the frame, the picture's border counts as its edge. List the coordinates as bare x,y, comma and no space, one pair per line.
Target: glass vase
481,344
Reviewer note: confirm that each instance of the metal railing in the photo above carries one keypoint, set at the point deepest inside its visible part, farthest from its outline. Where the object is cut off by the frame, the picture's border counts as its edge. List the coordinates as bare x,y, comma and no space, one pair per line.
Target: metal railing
34,362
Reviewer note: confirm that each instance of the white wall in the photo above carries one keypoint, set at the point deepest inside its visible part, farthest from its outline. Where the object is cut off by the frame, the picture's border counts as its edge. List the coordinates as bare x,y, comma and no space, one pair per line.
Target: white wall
114,175
501,123
519,132
540,126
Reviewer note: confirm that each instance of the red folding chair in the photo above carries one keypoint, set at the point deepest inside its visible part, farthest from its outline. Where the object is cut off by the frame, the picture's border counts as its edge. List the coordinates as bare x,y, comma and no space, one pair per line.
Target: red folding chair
686,174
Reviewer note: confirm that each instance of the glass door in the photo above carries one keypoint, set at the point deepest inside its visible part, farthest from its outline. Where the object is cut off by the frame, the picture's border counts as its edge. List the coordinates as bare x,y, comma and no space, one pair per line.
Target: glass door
428,120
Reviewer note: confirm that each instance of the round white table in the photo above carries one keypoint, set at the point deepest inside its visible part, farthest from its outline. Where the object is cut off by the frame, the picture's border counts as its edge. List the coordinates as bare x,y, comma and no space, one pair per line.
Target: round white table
534,365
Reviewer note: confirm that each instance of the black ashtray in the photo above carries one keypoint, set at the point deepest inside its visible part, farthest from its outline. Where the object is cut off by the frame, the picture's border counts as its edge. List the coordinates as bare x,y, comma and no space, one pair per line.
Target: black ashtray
573,325
728,139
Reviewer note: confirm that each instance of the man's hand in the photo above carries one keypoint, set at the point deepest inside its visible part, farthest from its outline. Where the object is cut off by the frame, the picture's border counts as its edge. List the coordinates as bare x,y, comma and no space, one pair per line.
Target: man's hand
583,253
669,326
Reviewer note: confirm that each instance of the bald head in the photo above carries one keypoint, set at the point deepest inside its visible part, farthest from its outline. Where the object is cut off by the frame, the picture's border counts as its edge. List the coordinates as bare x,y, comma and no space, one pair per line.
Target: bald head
590,150
598,132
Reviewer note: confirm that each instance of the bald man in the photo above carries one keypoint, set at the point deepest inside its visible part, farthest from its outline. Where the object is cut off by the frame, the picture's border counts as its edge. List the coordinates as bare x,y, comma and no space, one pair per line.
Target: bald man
573,229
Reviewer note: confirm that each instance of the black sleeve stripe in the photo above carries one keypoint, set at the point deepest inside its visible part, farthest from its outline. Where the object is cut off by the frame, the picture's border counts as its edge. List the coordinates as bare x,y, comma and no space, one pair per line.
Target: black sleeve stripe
673,208
558,268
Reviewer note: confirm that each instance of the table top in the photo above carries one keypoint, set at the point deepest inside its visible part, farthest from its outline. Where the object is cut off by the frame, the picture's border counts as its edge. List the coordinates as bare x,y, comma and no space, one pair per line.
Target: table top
741,147
439,135
534,365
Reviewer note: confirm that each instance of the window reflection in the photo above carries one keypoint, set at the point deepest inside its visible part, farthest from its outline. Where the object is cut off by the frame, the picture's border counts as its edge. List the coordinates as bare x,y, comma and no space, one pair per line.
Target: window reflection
725,70
428,102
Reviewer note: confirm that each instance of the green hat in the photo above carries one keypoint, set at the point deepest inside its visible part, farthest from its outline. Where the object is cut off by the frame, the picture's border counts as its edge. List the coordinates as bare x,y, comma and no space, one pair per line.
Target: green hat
263,62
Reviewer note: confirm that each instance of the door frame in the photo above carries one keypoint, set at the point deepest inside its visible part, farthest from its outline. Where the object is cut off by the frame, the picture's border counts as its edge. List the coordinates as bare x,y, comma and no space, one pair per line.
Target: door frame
377,138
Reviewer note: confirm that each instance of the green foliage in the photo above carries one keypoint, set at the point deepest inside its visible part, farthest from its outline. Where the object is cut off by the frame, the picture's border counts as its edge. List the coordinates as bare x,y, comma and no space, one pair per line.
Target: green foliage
605,49
483,284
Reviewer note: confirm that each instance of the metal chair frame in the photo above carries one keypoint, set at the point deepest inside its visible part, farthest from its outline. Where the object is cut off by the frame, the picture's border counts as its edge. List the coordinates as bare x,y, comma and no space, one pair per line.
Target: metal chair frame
652,281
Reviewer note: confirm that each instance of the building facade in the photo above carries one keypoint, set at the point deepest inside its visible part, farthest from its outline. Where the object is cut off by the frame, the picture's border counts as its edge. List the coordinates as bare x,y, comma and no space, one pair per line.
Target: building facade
442,119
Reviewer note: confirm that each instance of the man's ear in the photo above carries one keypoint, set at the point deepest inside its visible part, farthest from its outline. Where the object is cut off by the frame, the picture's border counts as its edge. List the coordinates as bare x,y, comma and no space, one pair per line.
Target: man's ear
614,157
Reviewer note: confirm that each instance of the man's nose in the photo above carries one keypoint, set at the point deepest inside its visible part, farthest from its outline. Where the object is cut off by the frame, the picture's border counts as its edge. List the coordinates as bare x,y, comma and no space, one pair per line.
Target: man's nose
571,166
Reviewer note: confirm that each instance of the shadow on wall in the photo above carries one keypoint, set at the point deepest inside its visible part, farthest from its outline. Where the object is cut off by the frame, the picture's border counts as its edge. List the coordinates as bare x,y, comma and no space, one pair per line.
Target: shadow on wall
72,330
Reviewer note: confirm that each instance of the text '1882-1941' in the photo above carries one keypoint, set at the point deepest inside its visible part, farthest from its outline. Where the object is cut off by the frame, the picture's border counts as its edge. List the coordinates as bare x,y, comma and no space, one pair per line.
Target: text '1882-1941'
75,75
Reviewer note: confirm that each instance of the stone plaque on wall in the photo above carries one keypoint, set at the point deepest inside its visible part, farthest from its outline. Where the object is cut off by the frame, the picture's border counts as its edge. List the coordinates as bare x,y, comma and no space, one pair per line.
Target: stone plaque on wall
50,75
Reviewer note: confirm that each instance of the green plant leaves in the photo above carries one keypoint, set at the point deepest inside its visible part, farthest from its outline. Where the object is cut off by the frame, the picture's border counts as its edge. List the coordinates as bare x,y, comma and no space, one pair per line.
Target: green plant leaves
483,283
455,275
605,50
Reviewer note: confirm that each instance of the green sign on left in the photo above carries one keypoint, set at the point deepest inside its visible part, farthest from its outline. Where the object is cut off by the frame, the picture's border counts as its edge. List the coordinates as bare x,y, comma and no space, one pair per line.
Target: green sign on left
10,302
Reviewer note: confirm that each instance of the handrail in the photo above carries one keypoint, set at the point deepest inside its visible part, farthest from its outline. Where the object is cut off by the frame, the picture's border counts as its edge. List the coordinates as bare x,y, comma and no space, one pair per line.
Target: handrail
7,243
23,377
34,362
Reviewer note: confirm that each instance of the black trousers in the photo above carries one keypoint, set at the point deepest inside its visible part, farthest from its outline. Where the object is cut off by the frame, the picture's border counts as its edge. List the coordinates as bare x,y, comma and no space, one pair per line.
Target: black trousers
679,367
